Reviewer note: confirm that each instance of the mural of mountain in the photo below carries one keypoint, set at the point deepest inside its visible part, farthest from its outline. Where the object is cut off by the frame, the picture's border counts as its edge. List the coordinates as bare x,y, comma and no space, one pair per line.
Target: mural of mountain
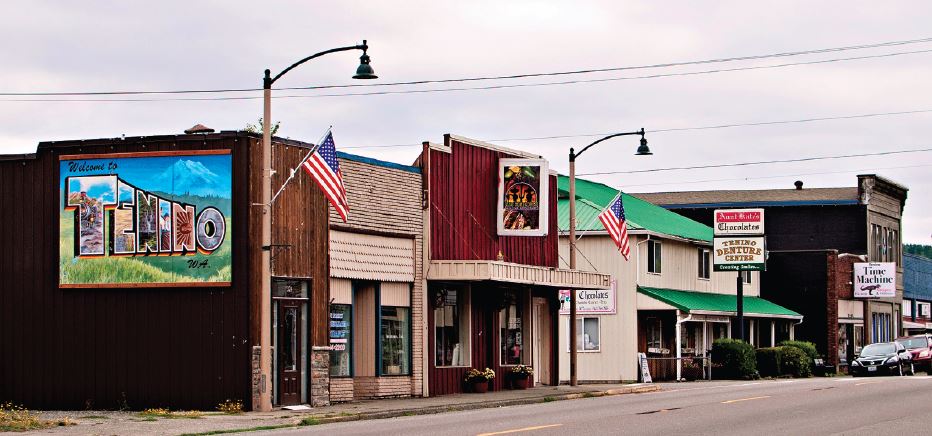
194,178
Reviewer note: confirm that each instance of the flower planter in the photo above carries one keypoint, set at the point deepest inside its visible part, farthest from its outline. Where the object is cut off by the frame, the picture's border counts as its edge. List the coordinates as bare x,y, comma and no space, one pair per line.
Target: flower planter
519,382
479,387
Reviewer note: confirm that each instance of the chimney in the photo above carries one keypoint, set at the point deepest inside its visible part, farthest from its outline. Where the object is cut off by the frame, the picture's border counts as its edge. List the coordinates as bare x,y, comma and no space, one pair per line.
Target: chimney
799,185
199,128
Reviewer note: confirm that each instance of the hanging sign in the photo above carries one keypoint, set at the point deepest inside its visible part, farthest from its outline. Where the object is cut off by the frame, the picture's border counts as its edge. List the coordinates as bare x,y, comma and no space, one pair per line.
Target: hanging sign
874,280
739,222
738,254
523,195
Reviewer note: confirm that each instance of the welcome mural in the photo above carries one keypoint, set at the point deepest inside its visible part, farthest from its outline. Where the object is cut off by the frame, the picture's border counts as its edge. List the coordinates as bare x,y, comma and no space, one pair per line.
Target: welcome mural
151,219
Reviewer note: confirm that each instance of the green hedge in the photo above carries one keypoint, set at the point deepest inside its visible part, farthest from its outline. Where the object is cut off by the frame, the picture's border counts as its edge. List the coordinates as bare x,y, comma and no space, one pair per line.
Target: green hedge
795,362
768,361
733,359
807,347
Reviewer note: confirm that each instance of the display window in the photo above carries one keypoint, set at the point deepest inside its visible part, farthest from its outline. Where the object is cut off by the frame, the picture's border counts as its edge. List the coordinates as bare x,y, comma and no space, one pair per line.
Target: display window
341,333
511,329
395,341
451,327
588,334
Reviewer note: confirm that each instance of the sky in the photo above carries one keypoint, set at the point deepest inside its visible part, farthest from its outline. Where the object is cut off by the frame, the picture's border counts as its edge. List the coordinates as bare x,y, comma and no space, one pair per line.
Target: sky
173,45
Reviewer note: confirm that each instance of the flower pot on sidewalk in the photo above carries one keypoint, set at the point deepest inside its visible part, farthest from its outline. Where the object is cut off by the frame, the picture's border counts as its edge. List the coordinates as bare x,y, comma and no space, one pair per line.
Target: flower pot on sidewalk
519,376
479,387
519,382
478,381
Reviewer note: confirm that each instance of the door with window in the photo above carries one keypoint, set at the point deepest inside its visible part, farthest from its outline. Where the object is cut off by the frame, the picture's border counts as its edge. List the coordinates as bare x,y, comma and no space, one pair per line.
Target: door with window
289,352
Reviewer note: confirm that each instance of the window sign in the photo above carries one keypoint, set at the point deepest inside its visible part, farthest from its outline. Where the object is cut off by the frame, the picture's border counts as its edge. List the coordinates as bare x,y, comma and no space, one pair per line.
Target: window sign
340,327
874,280
523,195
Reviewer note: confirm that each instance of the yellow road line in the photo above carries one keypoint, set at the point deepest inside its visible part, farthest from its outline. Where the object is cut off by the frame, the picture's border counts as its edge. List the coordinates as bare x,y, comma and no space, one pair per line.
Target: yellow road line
520,430
745,399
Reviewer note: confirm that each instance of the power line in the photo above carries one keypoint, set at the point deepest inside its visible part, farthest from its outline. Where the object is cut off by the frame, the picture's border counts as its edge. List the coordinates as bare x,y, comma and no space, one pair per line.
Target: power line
503,77
778,176
478,88
763,162
679,129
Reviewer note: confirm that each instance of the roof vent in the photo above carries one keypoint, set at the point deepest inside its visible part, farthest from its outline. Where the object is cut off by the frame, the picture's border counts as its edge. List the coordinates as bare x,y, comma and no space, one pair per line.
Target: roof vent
199,128
799,185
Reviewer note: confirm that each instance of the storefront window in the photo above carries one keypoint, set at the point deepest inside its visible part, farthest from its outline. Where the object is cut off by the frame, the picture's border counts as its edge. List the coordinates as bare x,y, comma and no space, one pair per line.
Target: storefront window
587,334
654,335
451,327
858,338
394,336
340,338
510,319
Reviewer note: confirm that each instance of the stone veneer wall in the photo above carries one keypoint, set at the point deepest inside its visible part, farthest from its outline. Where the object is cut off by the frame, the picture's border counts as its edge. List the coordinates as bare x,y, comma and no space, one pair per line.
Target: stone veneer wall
320,376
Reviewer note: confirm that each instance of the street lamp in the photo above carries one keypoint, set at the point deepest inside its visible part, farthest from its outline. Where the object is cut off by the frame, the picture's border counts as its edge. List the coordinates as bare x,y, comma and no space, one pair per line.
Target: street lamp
364,71
643,150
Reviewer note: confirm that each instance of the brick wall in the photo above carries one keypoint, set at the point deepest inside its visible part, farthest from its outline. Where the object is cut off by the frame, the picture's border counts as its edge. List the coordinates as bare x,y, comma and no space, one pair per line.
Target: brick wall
382,387
832,264
341,390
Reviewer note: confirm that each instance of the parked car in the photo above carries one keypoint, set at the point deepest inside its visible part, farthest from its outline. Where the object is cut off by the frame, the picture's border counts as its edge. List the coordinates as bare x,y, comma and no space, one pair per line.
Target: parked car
920,347
883,357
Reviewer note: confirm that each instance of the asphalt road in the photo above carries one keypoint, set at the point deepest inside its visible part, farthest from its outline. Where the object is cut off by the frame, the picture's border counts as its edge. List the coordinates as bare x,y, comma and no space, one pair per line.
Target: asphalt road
819,406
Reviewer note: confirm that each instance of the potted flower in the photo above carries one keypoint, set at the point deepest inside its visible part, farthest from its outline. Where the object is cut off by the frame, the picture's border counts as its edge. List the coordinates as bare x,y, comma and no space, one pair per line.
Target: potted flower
478,381
520,375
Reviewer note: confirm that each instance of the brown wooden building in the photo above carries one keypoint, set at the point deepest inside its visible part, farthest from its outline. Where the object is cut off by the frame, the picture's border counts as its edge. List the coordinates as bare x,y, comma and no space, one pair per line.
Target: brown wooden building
155,338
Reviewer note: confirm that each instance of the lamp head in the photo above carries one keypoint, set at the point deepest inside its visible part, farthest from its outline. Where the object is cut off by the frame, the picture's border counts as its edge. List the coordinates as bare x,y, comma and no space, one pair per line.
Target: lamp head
365,71
643,150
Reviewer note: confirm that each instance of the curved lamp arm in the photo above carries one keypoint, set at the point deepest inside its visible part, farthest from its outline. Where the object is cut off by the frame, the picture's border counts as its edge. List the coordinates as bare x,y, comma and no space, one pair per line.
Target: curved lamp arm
268,81
574,155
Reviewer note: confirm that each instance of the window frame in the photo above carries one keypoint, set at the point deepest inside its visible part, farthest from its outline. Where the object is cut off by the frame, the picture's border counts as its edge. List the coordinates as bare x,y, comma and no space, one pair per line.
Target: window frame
746,277
520,301
581,329
467,300
654,256
349,340
704,263
650,322
378,333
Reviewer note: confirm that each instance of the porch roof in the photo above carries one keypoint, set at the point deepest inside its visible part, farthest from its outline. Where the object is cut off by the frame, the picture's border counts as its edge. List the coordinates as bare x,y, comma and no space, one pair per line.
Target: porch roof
507,272
705,302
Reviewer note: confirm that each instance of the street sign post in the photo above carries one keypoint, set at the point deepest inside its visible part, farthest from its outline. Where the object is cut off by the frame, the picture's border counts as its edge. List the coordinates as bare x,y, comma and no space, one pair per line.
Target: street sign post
739,245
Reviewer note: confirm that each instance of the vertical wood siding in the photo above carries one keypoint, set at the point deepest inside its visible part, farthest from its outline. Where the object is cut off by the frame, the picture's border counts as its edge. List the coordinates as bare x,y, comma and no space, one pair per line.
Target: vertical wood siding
109,348
463,188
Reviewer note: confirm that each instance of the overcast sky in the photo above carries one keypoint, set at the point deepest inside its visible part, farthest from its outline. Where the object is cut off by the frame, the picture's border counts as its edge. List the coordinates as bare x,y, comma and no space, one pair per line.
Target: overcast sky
105,46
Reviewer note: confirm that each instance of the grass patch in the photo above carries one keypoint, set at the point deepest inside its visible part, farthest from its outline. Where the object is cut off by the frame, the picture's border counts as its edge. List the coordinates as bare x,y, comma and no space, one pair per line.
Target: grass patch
18,418
588,395
165,413
241,430
549,399
310,420
231,407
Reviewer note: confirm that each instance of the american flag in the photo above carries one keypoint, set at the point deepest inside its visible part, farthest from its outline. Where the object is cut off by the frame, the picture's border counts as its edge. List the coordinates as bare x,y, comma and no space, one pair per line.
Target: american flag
613,218
323,166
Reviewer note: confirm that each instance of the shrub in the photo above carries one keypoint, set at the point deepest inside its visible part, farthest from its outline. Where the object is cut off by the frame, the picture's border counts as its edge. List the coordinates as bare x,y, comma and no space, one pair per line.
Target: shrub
734,359
768,361
807,347
795,361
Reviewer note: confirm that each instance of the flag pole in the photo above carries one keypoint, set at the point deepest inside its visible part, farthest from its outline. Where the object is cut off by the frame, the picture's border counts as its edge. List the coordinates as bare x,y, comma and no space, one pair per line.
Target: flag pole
592,220
293,170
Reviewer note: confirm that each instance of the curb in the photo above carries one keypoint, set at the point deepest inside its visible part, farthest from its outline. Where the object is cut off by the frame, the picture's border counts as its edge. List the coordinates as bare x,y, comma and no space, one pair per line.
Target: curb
479,405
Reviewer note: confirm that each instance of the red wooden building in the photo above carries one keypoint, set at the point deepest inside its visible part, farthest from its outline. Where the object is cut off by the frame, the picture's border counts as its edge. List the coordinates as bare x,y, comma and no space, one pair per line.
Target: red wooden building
492,300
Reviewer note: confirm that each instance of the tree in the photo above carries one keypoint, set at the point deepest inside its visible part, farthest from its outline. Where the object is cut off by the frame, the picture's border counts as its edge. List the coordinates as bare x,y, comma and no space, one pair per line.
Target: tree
257,128
921,250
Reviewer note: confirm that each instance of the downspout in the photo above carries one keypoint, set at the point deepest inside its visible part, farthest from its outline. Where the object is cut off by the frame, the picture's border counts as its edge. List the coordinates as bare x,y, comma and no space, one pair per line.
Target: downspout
679,344
637,267
793,330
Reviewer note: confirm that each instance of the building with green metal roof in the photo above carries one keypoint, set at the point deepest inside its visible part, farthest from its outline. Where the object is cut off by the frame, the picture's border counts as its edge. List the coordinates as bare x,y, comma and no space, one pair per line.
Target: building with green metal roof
666,302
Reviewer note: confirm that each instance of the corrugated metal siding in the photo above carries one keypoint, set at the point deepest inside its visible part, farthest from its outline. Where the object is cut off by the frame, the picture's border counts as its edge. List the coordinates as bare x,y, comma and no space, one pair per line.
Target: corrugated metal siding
371,257
341,291
102,348
364,330
463,187
395,294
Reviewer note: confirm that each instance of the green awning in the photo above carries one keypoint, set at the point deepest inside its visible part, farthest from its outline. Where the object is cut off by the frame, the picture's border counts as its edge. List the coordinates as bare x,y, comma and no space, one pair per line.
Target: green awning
692,301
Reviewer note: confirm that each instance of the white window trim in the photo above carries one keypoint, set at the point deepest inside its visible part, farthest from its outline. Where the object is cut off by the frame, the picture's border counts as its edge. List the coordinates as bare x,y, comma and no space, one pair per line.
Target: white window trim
708,252
649,257
581,318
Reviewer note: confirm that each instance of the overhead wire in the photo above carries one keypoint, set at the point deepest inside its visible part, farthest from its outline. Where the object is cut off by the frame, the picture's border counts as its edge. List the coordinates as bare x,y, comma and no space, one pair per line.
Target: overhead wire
500,77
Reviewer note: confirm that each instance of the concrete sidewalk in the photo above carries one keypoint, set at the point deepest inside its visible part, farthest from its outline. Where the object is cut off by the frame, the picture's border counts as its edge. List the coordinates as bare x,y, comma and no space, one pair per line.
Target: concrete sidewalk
106,422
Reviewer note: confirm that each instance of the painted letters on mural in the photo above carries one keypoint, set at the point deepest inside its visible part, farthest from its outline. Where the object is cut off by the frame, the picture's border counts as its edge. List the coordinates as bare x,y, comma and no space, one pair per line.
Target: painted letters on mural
142,219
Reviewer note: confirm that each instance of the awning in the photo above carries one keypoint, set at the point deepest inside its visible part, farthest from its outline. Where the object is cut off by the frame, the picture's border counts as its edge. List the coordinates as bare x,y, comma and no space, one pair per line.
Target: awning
914,325
705,303
506,272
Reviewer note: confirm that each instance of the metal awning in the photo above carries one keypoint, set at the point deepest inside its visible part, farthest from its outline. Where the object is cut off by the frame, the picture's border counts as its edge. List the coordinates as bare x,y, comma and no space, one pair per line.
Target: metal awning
707,303
506,272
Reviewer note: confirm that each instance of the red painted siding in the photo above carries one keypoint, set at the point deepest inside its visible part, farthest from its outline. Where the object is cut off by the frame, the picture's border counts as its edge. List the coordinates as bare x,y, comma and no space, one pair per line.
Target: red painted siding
463,188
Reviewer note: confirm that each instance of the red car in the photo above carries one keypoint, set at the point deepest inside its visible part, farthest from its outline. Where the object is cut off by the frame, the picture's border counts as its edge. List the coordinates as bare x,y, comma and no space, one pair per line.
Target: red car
920,346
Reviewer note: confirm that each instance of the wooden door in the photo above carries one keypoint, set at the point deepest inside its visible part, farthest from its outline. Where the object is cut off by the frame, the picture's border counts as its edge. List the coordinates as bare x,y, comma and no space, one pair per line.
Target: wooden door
289,352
